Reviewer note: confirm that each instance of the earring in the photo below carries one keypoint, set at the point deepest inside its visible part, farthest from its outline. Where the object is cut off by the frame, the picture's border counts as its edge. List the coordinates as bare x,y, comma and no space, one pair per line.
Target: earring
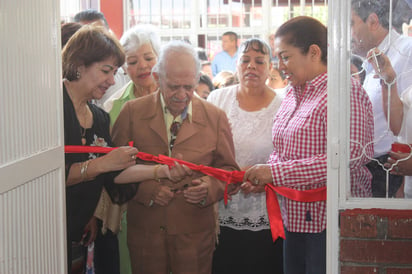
78,74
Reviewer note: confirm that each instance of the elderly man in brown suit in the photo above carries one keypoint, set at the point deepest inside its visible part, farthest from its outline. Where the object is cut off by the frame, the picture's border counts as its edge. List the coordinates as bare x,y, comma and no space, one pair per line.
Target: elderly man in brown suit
172,225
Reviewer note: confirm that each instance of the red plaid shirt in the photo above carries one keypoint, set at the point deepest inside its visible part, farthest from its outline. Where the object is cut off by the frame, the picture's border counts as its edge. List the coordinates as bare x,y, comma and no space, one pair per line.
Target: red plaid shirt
299,157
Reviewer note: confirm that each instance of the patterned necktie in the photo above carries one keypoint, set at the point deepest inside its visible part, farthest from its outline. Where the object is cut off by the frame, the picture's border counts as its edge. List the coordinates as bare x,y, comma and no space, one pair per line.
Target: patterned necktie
174,128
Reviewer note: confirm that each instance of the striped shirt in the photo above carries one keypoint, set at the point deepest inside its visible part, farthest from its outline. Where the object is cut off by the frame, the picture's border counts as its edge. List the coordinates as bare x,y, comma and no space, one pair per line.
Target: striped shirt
299,157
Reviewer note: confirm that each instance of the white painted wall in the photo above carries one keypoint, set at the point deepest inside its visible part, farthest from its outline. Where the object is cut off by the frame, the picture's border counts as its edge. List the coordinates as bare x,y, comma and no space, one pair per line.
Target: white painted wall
32,189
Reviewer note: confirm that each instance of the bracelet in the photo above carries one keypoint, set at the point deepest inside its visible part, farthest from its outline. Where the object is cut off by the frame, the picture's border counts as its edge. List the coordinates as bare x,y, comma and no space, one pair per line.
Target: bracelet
83,170
155,176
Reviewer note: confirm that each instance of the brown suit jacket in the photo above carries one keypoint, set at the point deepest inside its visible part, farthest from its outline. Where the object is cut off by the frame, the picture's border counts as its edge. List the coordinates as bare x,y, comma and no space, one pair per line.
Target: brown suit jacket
207,140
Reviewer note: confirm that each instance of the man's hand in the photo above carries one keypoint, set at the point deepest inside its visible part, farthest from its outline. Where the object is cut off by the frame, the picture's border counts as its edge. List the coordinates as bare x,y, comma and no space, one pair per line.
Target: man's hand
90,232
164,196
197,192
382,65
404,165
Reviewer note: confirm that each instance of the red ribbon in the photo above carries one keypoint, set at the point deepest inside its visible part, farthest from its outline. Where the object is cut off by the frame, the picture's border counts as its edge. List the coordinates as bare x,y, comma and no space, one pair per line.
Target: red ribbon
272,204
401,148
230,177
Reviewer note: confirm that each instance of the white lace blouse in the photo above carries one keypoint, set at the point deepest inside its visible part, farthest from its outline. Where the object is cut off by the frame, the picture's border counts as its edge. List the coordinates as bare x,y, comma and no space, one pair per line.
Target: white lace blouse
252,137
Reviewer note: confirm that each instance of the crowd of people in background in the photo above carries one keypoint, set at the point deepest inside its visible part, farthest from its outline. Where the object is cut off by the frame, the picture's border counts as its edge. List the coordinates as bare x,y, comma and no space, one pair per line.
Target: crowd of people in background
258,106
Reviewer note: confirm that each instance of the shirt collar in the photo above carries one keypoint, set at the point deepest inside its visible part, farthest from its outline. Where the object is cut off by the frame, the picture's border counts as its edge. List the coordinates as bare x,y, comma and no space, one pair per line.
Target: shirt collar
318,80
128,93
389,40
187,112
315,82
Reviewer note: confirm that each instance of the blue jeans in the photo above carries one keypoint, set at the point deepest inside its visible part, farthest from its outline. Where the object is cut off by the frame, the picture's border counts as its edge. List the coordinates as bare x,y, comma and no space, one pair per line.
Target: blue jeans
304,253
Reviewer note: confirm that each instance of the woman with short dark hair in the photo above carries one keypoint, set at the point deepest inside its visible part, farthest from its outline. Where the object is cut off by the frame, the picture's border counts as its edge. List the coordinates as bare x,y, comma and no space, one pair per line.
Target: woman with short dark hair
90,60
299,132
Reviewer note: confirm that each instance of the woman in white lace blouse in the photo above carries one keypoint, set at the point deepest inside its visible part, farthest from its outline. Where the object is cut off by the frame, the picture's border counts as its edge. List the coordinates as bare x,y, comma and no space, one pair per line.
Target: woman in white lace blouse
245,242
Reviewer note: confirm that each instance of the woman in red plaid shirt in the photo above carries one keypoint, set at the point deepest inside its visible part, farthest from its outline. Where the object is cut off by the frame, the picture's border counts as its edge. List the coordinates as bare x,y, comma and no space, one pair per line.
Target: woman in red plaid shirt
299,135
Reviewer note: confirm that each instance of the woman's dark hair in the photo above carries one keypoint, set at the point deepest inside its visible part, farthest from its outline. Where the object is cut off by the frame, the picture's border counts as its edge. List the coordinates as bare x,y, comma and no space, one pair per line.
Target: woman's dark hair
257,45
206,80
67,31
302,32
89,45
224,78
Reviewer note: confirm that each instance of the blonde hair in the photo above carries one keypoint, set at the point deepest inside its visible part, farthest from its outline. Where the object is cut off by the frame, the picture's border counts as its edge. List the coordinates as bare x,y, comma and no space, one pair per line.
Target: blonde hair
224,78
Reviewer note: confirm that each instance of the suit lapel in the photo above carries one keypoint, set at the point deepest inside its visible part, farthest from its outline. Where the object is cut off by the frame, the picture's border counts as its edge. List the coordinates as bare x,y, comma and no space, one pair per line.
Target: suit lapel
154,116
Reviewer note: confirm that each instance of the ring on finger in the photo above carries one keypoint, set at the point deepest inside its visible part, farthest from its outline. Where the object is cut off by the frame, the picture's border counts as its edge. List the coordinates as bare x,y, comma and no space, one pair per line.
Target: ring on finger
256,181
133,157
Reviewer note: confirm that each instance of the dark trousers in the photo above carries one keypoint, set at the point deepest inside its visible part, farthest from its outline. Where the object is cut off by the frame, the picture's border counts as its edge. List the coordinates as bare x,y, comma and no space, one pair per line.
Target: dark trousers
106,253
379,179
246,252
304,253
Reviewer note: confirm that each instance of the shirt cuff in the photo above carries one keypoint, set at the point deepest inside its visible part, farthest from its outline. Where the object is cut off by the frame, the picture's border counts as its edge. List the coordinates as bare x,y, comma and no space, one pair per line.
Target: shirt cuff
276,174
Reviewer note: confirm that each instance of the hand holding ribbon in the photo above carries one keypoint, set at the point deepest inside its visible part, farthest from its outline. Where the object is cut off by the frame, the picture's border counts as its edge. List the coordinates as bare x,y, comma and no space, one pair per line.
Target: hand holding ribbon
224,175
229,177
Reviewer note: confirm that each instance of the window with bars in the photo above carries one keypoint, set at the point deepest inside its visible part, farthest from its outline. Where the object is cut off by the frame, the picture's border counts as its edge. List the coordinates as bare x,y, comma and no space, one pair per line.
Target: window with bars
203,22
383,54
69,8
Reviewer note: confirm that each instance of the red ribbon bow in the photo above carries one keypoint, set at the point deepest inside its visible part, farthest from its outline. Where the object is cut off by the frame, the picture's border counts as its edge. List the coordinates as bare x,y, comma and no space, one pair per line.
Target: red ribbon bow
230,177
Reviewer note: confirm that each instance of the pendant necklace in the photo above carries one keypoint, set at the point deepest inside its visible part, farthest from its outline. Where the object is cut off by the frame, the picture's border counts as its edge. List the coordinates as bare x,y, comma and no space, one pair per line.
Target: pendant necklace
83,129
83,134
84,126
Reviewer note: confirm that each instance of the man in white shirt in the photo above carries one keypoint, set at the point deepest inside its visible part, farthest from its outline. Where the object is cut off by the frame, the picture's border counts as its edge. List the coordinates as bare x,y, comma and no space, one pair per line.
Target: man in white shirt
370,30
